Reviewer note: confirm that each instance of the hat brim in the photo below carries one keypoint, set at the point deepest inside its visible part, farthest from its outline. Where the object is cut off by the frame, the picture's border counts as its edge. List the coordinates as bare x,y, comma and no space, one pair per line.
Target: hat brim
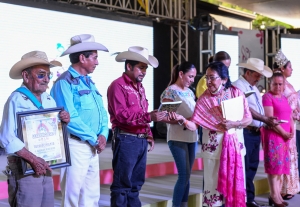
267,72
128,55
16,70
85,46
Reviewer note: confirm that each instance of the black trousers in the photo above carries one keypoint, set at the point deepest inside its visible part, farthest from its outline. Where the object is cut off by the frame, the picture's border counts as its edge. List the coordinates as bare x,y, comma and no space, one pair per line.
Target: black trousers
252,144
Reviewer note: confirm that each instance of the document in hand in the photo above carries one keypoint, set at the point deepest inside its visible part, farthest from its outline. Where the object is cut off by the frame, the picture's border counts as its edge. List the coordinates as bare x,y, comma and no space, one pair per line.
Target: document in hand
233,110
169,106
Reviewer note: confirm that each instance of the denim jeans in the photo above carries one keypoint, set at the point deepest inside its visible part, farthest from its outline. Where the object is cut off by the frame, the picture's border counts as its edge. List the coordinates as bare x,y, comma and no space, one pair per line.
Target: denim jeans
184,156
129,165
252,144
298,147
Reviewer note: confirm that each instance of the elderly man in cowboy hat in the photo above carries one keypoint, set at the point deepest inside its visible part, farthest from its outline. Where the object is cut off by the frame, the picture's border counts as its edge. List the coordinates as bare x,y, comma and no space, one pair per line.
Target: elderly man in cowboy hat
77,93
37,189
128,109
254,69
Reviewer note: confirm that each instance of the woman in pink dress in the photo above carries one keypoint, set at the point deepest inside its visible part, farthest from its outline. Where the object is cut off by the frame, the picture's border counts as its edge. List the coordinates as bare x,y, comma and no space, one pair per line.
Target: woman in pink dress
276,140
290,182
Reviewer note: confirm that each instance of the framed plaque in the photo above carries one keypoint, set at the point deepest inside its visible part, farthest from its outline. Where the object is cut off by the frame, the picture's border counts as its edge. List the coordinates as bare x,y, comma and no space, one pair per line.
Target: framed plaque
44,135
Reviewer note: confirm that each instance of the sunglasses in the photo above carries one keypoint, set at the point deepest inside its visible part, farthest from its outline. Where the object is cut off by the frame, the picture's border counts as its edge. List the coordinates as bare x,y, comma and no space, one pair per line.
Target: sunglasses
43,75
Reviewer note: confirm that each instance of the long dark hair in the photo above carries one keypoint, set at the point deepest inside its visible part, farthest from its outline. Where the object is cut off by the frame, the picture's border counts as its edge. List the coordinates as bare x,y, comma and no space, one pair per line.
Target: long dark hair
221,55
222,71
184,67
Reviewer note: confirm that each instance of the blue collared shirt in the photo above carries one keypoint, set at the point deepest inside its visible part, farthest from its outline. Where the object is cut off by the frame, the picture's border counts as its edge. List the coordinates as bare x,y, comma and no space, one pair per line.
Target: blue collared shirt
17,102
80,97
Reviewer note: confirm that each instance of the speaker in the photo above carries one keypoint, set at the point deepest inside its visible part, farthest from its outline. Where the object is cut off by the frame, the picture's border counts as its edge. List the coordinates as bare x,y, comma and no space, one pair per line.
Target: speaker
201,22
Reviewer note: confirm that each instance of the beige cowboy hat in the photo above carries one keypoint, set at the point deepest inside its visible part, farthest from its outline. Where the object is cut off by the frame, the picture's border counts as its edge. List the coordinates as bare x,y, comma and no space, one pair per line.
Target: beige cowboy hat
31,59
137,53
258,66
83,42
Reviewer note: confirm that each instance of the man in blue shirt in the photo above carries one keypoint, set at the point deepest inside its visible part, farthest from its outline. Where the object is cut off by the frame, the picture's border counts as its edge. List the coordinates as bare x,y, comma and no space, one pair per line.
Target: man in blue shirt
76,92
36,189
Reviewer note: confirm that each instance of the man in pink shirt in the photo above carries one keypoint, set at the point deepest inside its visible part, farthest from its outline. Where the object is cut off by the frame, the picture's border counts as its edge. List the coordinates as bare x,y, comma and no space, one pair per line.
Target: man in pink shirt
128,109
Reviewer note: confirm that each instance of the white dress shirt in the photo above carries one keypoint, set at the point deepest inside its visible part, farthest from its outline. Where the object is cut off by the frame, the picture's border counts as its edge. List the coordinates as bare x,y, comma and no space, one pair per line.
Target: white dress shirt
17,102
254,100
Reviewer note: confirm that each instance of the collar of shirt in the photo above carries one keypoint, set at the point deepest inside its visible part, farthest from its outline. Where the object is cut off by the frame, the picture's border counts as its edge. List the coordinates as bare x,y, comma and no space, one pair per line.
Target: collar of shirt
129,81
75,74
245,81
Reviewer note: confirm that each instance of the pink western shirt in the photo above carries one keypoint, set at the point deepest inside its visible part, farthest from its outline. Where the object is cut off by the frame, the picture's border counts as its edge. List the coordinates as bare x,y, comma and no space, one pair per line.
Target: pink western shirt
128,106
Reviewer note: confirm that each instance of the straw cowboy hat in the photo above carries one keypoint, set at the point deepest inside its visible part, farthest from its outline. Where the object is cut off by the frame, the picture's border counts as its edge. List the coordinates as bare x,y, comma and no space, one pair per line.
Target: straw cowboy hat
258,66
83,42
31,59
137,53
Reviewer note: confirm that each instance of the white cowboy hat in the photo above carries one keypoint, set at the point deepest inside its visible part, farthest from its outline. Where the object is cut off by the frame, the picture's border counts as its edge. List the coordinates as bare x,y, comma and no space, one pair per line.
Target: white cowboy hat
258,66
31,59
83,42
137,53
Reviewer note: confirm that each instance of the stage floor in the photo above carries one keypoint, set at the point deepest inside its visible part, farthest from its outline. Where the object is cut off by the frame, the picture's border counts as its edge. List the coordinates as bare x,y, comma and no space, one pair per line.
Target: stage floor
157,189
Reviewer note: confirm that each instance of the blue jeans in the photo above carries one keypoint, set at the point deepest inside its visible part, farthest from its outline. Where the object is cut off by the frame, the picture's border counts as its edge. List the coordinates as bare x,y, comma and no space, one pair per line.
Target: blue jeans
184,156
298,148
252,144
129,165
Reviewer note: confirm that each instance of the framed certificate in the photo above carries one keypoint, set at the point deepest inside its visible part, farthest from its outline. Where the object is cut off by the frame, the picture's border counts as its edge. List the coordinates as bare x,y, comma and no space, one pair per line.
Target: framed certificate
45,135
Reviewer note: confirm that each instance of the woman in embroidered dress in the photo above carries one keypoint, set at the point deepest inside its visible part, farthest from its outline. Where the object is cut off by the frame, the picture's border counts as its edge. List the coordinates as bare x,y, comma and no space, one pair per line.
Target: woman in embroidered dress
182,143
276,140
290,183
223,171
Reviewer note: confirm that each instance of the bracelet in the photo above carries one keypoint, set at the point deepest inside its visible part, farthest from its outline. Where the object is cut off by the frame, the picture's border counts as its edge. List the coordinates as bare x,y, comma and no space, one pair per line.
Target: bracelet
180,123
185,122
240,125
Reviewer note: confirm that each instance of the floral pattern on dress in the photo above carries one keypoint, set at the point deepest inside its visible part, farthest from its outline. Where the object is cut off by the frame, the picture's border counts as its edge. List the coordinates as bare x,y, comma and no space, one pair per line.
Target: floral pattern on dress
211,199
171,93
277,154
212,144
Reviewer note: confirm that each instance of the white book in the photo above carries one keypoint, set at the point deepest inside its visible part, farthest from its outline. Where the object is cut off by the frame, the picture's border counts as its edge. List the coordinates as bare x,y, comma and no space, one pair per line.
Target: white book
233,110
169,106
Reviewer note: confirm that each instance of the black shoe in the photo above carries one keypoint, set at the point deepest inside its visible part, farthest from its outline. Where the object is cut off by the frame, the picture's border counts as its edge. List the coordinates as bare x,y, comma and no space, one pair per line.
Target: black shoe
252,204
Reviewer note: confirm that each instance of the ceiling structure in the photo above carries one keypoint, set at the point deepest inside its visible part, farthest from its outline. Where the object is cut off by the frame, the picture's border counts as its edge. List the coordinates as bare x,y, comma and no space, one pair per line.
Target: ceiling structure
287,11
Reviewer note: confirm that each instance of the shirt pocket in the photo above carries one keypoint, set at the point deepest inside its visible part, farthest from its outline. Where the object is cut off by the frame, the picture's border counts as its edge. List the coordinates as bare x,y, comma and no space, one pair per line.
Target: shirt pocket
86,99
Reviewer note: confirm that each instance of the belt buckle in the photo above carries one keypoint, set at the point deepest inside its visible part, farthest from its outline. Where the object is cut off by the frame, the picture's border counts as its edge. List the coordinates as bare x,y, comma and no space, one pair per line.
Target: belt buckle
141,135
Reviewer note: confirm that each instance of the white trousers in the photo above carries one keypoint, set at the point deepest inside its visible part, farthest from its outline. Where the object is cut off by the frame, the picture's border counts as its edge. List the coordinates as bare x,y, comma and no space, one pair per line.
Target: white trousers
80,183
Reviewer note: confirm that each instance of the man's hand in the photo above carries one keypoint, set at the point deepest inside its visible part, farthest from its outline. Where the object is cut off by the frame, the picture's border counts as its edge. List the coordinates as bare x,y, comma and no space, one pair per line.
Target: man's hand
39,165
150,140
64,116
157,116
101,144
271,121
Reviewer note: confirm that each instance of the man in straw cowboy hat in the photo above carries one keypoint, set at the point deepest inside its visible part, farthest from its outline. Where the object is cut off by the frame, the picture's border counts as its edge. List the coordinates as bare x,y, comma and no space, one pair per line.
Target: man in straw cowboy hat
36,189
254,69
77,93
128,109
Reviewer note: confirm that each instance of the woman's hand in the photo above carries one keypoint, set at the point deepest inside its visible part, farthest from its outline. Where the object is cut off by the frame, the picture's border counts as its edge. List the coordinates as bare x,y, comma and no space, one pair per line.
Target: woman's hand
287,135
227,124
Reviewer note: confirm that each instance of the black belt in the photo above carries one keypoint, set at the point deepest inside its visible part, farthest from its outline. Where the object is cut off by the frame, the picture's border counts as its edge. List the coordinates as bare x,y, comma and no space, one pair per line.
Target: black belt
77,138
136,135
253,128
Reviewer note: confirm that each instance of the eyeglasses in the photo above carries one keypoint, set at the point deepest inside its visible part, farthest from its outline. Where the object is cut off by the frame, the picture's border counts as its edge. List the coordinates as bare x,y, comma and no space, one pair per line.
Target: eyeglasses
43,75
211,78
